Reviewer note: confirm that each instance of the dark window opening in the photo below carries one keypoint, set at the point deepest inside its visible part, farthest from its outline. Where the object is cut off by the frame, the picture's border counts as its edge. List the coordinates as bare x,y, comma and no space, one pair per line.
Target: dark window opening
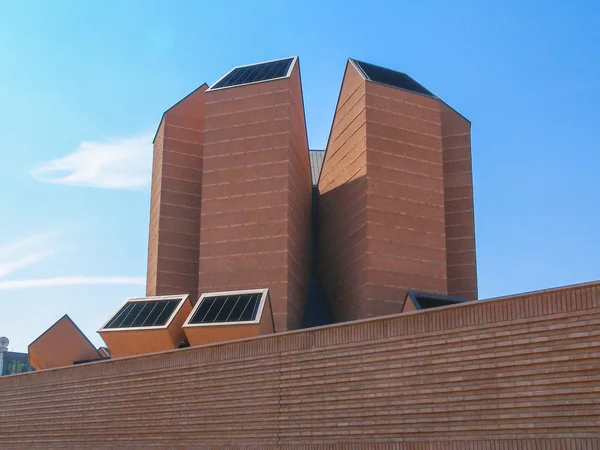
227,308
423,300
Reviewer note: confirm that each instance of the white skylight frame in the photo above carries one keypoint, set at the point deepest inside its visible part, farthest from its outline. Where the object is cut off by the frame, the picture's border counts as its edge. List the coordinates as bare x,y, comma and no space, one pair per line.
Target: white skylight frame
287,75
263,300
359,70
181,297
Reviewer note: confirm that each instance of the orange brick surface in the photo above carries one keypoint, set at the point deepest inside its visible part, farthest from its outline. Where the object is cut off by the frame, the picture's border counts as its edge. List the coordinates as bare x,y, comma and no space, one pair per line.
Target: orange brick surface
256,195
405,199
511,373
343,202
396,200
174,237
458,201
61,345
132,342
209,334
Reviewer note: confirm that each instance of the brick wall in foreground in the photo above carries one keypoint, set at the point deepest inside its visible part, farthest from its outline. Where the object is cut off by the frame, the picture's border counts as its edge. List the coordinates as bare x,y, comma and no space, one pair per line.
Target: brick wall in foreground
518,372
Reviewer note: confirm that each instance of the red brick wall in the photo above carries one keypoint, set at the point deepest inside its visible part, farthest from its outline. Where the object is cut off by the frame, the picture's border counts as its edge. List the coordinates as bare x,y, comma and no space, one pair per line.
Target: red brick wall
175,199
519,372
406,232
256,195
458,198
343,202
381,211
60,345
300,207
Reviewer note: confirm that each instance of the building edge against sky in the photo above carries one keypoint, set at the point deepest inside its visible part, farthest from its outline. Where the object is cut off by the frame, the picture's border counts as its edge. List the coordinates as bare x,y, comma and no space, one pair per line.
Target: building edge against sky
174,236
256,192
239,202
396,196
390,248
508,373
231,194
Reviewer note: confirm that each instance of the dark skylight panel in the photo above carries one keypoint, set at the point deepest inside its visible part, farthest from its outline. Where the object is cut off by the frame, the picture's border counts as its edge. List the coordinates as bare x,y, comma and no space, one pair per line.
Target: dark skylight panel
390,77
227,308
255,73
424,300
143,313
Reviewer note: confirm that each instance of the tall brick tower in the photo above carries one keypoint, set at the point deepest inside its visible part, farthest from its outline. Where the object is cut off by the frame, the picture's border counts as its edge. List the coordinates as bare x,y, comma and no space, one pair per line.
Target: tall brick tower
175,199
458,204
231,194
256,191
396,201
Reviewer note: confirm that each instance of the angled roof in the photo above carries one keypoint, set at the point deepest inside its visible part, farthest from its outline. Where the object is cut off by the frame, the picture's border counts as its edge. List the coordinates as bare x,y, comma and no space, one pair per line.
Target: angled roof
61,345
426,300
173,106
143,313
390,77
395,79
256,73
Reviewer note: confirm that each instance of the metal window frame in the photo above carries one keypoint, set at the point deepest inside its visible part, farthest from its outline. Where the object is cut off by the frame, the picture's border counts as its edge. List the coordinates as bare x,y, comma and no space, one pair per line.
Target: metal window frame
181,297
263,300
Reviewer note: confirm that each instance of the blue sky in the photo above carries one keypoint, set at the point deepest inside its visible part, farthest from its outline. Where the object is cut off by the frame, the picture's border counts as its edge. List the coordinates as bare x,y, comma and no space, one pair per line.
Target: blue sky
83,86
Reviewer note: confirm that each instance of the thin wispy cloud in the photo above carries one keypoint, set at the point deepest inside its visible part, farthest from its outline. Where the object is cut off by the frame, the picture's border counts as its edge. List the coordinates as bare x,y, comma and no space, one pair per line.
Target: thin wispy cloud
10,266
27,251
114,164
24,252
70,281
22,244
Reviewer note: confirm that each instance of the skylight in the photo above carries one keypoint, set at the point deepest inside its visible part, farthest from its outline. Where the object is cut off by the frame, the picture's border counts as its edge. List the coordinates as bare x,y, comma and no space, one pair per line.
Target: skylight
255,73
223,308
390,77
145,312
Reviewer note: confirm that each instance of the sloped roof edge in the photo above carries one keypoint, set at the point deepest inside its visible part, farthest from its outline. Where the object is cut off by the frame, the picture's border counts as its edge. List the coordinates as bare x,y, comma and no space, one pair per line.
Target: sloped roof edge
173,106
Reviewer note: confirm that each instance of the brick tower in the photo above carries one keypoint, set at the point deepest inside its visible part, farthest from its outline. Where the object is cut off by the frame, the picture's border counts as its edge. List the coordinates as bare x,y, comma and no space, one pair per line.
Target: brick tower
175,199
396,202
256,191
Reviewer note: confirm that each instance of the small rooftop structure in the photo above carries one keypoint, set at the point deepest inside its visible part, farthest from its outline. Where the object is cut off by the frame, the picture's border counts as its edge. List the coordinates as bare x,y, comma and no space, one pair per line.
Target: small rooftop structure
226,316
61,345
146,325
256,73
416,301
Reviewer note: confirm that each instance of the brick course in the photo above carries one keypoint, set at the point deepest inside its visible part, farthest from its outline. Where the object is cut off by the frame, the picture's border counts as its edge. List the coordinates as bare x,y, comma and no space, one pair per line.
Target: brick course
396,200
256,196
516,372
343,202
458,201
175,199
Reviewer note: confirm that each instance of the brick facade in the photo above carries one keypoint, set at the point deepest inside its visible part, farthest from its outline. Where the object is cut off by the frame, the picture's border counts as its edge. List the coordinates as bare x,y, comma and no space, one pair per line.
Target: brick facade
256,195
231,198
396,198
517,372
343,202
405,199
174,237
458,202
231,206
48,350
